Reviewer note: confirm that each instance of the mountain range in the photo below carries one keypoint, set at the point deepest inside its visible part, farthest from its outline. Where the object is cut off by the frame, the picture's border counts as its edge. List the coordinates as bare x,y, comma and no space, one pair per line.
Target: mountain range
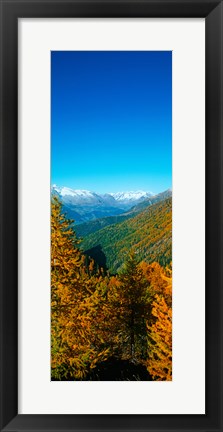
112,224
86,228
84,205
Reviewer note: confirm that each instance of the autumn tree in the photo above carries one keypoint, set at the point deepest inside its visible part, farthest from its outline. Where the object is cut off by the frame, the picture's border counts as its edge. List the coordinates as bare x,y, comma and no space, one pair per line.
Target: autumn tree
95,316
73,350
159,363
154,273
65,265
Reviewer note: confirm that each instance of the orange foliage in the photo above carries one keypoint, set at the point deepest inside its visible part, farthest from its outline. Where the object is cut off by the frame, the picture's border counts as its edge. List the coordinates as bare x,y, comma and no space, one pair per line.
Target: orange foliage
95,316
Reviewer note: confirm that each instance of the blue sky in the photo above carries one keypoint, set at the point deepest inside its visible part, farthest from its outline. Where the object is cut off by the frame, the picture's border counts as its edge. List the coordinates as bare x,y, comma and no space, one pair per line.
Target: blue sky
111,120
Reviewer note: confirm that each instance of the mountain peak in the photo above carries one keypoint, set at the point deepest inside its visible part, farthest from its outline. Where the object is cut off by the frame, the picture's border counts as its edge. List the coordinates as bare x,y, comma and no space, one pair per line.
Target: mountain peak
63,191
116,196
83,205
131,195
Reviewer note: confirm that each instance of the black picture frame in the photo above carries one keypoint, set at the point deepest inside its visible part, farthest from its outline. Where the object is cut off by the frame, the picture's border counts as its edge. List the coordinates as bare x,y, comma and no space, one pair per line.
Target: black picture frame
11,11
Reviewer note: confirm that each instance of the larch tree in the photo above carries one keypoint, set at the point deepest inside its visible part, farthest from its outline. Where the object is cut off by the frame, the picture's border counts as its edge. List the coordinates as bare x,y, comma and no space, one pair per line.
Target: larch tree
75,347
70,328
159,363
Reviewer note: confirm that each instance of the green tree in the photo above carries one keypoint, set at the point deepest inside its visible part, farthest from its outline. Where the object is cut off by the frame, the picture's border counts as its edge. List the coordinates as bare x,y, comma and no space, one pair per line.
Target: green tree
130,302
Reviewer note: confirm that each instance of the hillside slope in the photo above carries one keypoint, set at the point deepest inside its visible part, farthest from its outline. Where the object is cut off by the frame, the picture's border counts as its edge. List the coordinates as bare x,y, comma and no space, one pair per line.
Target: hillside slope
83,205
84,229
148,234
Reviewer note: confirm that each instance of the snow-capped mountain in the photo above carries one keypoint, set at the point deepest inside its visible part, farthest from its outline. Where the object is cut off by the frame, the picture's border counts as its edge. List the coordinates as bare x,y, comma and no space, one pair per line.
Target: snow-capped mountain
84,205
85,197
131,196
65,191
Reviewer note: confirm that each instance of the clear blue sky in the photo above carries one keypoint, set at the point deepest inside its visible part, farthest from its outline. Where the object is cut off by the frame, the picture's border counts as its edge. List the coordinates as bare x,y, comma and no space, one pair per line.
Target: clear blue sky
111,120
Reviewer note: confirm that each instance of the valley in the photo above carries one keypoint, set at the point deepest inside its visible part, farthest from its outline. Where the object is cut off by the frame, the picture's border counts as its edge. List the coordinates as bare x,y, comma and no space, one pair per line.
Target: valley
117,223
148,235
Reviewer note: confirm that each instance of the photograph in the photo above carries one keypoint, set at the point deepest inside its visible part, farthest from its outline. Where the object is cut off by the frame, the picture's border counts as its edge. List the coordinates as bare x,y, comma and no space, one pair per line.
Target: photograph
109,112
111,216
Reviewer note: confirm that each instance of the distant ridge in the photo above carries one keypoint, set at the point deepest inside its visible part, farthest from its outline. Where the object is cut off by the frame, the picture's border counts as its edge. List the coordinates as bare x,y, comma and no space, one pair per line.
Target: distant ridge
84,205
84,229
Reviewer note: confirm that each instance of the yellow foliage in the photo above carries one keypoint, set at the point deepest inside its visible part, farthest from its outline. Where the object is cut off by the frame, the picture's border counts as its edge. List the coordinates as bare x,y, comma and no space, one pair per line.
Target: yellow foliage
159,363
95,316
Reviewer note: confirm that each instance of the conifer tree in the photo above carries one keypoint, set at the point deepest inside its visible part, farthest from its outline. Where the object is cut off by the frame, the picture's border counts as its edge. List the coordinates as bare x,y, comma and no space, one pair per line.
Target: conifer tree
159,363
75,348
130,301
65,289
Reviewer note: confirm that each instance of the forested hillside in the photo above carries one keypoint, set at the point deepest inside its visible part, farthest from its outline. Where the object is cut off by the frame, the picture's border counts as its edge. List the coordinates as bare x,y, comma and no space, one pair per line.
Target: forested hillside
148,235
109,327
84,229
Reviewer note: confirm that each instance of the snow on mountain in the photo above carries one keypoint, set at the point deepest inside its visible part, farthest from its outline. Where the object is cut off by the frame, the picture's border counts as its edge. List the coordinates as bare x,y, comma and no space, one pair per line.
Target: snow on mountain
86,196
65,191
83,197
131,195
84,205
